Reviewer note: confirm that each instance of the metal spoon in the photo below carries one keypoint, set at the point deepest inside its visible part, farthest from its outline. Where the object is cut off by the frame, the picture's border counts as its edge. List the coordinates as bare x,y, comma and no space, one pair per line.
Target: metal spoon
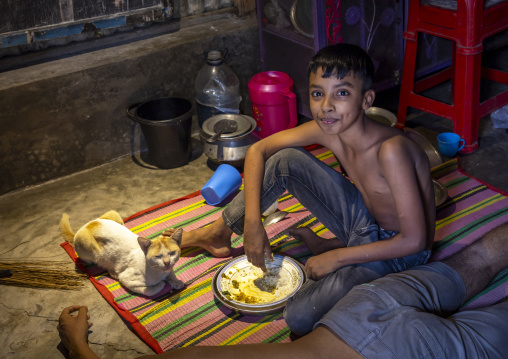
222,126
216,135
274,218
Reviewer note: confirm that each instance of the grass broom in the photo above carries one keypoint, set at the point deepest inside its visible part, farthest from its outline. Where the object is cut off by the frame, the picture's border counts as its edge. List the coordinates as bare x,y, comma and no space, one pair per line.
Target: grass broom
40,274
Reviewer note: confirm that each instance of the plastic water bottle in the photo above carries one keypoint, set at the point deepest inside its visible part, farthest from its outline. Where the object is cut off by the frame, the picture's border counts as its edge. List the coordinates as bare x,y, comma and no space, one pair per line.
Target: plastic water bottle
217,88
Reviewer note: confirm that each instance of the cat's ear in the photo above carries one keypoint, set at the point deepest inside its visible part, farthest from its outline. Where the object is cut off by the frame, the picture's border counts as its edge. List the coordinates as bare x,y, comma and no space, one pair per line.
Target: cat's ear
114,216
144,243
177,236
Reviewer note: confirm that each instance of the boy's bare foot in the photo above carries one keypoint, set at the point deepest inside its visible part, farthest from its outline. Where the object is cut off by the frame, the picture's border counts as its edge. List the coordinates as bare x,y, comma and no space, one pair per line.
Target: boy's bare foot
216,238
315,243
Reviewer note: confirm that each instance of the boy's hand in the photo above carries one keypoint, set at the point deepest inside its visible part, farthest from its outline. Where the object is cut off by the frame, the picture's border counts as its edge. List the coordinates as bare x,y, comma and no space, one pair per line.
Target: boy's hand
73,329
319,266
257,245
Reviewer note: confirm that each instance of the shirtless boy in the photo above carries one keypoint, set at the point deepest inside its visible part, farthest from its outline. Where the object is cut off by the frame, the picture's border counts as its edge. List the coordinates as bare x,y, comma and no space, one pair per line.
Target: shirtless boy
383,223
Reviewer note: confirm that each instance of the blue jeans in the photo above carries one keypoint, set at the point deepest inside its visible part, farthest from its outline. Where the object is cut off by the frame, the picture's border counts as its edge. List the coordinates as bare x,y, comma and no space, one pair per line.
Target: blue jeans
338,205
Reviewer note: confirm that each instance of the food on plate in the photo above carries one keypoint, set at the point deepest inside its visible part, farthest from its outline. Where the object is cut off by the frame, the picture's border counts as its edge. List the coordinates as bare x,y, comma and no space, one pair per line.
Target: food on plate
247,284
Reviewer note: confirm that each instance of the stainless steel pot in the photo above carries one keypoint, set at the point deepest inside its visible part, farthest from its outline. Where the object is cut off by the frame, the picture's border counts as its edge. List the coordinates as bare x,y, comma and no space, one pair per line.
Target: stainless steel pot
230,148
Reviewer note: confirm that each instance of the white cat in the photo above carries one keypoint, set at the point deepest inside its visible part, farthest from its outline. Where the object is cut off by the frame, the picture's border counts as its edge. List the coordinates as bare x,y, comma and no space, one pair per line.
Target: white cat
140,264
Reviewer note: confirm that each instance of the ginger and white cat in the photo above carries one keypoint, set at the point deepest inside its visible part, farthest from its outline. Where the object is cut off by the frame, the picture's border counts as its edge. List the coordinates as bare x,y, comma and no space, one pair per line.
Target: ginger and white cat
140,264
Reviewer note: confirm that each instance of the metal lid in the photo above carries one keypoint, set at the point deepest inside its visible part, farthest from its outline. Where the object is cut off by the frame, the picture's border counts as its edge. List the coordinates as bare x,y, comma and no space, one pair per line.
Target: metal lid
244,124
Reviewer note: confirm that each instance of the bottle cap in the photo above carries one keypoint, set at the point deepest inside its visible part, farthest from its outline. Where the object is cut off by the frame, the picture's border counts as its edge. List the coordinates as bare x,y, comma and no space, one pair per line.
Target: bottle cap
214,57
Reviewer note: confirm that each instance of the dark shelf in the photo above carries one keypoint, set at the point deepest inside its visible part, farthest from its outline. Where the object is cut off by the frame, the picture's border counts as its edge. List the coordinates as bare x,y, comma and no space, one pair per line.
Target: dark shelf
289,34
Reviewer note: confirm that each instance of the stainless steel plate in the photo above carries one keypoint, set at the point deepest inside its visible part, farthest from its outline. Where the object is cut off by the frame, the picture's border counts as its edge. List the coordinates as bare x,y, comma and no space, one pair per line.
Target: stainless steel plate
440,193
301,17
381,115
224,279
433,154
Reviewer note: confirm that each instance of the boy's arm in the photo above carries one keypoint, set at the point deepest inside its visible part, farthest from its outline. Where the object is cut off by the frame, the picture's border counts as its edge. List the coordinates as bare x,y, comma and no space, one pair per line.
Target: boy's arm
319,266
256,242
399,164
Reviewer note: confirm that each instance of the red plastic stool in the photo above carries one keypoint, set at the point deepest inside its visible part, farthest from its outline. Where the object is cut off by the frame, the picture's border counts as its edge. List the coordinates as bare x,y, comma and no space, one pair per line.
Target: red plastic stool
467,23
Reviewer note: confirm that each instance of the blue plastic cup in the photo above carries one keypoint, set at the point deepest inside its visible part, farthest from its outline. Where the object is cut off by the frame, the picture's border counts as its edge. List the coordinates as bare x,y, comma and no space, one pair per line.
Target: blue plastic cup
449,143
223,182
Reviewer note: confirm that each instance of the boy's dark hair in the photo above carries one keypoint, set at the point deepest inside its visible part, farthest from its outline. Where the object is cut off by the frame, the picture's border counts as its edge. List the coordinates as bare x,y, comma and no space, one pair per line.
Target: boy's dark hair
343,59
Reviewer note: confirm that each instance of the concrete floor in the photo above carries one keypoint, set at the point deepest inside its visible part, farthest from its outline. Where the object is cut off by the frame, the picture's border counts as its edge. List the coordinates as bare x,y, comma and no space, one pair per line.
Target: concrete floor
29,220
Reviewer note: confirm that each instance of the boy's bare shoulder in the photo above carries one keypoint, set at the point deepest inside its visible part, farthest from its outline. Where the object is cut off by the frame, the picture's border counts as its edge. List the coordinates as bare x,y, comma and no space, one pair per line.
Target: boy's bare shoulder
397,146
395,138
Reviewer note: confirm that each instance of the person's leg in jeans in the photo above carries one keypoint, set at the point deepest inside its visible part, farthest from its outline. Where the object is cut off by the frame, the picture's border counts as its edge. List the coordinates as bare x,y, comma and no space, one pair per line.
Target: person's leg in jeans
325,192
316,297
328,195
306,307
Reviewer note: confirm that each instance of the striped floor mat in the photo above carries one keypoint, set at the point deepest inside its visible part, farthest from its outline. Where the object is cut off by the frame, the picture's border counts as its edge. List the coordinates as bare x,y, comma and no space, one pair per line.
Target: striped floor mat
194,317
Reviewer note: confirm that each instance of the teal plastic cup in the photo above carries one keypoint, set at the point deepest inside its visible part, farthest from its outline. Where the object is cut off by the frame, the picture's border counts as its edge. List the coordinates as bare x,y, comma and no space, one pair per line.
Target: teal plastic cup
225,180
450,143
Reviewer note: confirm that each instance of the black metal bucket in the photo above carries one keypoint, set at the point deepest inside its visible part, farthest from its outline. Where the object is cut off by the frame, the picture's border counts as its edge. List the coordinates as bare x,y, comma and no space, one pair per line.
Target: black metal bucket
166,124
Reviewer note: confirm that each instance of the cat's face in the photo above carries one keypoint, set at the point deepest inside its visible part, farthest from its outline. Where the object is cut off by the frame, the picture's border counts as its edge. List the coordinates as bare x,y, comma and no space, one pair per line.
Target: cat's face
163,252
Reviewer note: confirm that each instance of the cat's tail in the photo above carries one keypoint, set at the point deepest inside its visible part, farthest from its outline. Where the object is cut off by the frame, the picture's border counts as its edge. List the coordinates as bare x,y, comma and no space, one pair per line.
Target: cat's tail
66,230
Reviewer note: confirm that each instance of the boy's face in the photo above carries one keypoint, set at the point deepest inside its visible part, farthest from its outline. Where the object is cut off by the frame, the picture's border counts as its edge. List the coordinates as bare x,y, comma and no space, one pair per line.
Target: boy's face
336,104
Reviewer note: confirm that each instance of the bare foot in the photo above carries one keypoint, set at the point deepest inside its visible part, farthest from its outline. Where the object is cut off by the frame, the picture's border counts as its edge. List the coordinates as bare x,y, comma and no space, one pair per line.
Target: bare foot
315,243
216,238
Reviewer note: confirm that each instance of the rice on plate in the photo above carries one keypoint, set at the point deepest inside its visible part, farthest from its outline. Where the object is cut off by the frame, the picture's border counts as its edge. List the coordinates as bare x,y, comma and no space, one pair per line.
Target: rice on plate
242,286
